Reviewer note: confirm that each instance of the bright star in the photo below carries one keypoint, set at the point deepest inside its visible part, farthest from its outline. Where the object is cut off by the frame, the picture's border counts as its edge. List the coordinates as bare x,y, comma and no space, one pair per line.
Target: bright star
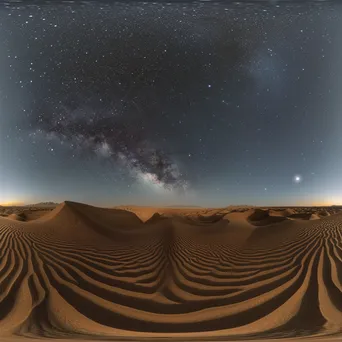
297,178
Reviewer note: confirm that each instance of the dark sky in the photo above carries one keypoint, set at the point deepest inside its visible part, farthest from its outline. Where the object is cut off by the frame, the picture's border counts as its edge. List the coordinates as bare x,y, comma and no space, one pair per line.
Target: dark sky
156,103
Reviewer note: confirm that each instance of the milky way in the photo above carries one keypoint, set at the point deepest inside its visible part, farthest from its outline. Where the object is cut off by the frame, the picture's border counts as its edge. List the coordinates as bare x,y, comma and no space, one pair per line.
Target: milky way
108,137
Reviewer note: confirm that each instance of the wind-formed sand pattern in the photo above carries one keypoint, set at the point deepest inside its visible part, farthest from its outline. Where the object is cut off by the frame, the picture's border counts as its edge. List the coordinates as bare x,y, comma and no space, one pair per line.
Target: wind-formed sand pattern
82,271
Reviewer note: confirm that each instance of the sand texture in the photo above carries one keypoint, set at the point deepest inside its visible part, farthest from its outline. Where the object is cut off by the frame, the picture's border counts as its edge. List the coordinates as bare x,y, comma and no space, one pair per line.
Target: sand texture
78,271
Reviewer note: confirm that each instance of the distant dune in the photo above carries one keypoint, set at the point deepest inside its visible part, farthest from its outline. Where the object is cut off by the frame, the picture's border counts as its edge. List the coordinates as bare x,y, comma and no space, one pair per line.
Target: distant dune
183,206
135,273
43,204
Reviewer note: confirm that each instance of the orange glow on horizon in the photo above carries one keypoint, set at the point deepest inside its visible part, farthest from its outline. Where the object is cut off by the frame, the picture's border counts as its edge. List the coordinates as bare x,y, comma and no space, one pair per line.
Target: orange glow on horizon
326,203
12,203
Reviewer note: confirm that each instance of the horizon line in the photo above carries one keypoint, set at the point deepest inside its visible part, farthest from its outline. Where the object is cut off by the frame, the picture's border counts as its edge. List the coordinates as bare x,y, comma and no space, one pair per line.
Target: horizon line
52,203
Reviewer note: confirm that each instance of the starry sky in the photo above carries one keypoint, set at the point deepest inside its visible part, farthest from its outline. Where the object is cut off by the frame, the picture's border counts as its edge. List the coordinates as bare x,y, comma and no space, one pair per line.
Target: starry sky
187,103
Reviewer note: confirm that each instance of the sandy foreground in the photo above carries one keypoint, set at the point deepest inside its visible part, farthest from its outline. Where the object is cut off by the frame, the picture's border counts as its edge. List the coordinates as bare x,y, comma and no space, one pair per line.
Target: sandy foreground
140,273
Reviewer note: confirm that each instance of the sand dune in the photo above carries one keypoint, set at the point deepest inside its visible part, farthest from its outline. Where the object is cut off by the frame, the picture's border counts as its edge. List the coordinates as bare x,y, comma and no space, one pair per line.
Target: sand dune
81,271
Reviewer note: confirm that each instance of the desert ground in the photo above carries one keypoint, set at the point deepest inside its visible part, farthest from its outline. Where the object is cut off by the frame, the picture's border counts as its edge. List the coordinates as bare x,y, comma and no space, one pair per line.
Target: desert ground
75,271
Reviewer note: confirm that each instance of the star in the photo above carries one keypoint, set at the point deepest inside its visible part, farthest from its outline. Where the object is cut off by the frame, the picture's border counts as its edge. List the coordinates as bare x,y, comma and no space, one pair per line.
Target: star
297,178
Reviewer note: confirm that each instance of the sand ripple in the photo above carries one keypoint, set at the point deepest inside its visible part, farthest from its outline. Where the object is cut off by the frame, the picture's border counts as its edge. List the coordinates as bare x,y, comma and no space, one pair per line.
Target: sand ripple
84,271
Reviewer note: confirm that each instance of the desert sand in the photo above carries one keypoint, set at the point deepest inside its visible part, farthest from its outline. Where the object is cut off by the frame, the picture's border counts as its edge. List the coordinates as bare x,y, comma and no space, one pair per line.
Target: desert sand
78,271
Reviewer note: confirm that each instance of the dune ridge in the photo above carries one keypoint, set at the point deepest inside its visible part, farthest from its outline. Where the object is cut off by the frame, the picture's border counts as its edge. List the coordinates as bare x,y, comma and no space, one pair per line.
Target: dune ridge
82,271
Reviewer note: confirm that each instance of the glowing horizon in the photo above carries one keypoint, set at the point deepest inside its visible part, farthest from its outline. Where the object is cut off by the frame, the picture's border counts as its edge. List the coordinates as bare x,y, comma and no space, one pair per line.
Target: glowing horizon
327,203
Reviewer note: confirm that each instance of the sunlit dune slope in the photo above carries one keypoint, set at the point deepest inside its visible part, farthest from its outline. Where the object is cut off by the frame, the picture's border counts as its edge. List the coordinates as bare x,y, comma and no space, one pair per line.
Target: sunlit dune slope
82,271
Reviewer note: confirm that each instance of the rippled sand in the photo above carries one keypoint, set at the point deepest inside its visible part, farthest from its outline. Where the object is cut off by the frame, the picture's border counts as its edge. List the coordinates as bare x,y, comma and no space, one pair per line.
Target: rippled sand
91,273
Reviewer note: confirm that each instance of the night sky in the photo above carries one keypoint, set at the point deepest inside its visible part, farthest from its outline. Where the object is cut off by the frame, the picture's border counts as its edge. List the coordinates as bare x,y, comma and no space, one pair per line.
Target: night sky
165,104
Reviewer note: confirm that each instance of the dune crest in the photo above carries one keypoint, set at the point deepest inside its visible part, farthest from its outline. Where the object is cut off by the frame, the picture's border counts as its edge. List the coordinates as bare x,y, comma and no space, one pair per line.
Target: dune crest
81,271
